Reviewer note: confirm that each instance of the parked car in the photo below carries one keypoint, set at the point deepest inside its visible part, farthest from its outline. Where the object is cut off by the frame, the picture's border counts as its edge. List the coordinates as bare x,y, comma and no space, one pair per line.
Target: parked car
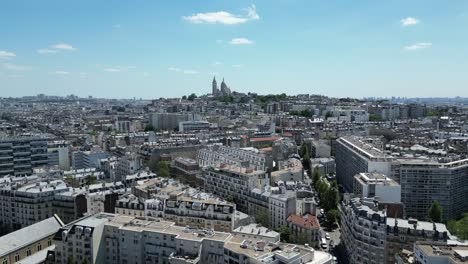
327,236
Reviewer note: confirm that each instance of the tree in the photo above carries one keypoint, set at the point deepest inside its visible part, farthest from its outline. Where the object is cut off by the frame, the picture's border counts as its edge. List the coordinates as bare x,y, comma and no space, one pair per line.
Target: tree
331,199
162,169
184,97
285,233
332,216
328,115
90,180
460,227
192,97
304,150
149,128
315,176
435,212
263,218
306,162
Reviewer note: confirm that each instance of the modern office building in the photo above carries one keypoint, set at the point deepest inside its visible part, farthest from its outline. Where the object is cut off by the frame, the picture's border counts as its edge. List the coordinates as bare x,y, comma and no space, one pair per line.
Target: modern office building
425,181
354,155
168,121
194,126
20,154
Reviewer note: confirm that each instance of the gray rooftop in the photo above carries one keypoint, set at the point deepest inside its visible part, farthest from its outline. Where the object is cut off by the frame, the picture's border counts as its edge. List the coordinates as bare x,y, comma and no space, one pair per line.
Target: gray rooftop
29,235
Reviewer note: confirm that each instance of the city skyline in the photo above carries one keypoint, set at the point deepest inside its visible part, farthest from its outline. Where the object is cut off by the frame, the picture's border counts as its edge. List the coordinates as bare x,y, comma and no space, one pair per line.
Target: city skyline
159,49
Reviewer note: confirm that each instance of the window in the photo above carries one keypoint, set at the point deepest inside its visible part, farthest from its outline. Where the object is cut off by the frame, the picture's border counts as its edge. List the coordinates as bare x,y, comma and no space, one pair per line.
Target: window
17,258
28,252
39,247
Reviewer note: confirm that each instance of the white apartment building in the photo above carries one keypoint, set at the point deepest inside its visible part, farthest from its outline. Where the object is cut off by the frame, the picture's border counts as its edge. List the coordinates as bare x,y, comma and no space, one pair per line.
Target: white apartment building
235,183
125,239
378,186
363,232
28,204
215,155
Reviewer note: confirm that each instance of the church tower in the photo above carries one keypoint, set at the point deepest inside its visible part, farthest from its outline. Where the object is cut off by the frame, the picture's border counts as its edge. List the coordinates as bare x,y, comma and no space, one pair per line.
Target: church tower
214,88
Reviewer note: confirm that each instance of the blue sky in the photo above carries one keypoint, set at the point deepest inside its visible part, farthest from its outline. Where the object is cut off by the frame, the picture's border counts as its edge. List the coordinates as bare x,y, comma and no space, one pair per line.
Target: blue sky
150,49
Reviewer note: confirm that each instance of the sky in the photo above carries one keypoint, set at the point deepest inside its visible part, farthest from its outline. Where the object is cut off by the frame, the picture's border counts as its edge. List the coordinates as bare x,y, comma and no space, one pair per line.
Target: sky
155,48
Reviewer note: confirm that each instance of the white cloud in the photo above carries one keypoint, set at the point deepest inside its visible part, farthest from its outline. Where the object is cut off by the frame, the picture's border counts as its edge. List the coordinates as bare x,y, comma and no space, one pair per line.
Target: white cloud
63,46
184,71
61,72
223,17
112,70
409,21
241,41
6,54
217,63
46,51
14,67
417,46
109,68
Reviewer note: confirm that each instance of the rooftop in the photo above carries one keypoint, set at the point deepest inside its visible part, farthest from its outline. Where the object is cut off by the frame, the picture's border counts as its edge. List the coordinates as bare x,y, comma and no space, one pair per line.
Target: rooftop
307,221
30,234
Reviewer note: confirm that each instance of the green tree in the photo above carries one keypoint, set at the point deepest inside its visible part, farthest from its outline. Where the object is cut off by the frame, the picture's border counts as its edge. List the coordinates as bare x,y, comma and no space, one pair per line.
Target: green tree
285,233
304,150
333,216
149,128
184,97
263,218
316,176
192,97
460,227
162,169
90,180
435,212
328,115
331,198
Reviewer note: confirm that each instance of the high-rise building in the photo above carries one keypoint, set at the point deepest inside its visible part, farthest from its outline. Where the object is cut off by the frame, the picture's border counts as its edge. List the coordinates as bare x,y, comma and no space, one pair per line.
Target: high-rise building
354,156
425,181
19,155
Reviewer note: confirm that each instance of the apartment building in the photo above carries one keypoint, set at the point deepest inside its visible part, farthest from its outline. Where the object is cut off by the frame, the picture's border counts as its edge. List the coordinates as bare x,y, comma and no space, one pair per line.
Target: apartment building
234,183
194,126
34,239
370,236
208,213
378,186
363,231
425,181
304,229
439,253
20,154
28,204
214,155
355,155
107,238
402,234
